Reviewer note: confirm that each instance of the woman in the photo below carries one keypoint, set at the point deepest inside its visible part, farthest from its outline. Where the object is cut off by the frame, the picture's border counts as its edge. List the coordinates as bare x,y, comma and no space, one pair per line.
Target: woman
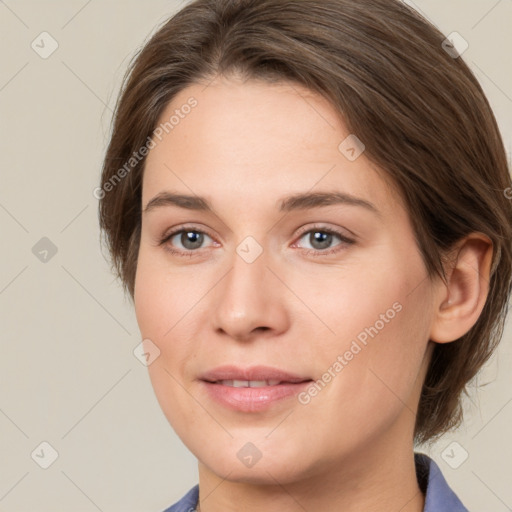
307,203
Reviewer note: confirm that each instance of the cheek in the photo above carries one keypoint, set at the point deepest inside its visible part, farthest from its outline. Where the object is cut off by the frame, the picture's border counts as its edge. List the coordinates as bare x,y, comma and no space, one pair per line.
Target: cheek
159,306
403,322
162,298
379,324
158,309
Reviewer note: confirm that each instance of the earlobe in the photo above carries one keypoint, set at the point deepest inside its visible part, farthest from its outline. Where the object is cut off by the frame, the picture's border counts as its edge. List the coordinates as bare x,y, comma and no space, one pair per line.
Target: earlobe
460,301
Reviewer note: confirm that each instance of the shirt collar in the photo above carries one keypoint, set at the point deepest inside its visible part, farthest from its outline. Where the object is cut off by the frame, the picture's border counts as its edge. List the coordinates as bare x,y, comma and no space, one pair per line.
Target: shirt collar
439,497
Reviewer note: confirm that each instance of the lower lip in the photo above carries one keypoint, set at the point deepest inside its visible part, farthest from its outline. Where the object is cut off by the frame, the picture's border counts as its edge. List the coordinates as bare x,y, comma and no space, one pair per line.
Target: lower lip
253,399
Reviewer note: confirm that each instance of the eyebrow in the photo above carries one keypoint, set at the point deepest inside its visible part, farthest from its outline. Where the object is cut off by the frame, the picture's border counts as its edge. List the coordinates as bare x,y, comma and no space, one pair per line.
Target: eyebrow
300,201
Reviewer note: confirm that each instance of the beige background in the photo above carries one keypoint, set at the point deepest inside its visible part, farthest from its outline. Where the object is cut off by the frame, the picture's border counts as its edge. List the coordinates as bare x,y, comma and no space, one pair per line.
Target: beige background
67,369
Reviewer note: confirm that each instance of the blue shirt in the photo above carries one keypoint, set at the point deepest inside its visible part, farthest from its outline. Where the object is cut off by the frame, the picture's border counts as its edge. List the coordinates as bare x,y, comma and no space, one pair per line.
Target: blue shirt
438,495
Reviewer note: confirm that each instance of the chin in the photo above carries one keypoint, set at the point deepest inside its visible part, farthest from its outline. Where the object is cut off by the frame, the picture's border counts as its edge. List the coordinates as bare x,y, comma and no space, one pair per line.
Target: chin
260,474
241,461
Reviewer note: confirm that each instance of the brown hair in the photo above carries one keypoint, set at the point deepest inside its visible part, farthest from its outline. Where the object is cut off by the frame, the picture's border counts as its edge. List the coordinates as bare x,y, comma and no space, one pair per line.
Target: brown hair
420,112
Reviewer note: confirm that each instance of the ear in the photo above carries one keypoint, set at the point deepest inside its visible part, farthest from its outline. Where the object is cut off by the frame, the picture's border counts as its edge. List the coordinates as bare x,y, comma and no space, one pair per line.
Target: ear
459,301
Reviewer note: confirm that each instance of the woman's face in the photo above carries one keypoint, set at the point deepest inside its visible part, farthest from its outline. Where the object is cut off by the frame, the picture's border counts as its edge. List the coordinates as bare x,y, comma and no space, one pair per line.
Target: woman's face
293,319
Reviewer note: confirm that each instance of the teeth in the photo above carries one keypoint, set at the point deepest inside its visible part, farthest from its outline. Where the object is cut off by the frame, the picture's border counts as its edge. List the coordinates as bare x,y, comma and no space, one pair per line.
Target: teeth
257,383
249,383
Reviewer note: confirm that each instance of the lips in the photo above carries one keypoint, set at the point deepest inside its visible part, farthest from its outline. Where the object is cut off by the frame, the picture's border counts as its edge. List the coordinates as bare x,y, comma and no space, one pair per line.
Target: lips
252,389
254,374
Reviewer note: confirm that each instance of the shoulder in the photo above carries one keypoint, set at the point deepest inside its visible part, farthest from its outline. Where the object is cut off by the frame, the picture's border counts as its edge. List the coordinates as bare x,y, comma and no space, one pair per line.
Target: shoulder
187,503
439,497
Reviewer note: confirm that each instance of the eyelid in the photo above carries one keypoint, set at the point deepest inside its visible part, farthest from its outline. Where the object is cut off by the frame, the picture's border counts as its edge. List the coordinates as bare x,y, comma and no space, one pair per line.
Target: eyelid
185,227
323,227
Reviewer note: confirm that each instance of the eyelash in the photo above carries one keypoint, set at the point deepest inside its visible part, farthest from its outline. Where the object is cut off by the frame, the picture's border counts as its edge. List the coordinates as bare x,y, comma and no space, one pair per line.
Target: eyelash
345,241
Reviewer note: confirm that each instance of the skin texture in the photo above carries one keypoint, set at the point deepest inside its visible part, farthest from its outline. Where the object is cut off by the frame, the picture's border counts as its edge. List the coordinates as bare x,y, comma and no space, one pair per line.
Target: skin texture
245,146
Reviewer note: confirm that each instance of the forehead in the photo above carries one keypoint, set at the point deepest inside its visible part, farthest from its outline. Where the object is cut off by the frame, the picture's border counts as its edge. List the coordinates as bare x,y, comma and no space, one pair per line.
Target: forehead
258,140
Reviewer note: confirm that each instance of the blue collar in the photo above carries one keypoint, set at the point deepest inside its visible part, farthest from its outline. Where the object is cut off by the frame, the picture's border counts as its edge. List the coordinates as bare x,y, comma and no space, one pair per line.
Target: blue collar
438,495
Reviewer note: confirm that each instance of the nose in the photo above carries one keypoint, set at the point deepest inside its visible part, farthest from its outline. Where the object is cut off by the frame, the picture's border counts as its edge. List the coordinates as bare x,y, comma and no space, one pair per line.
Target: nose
251,300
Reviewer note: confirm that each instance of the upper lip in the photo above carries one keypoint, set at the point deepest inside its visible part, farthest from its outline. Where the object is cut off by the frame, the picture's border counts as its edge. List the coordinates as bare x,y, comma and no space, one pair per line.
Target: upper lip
259,373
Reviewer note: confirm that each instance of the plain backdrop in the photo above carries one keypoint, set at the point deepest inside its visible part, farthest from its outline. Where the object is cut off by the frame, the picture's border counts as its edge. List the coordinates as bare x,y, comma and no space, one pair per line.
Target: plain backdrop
68,375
